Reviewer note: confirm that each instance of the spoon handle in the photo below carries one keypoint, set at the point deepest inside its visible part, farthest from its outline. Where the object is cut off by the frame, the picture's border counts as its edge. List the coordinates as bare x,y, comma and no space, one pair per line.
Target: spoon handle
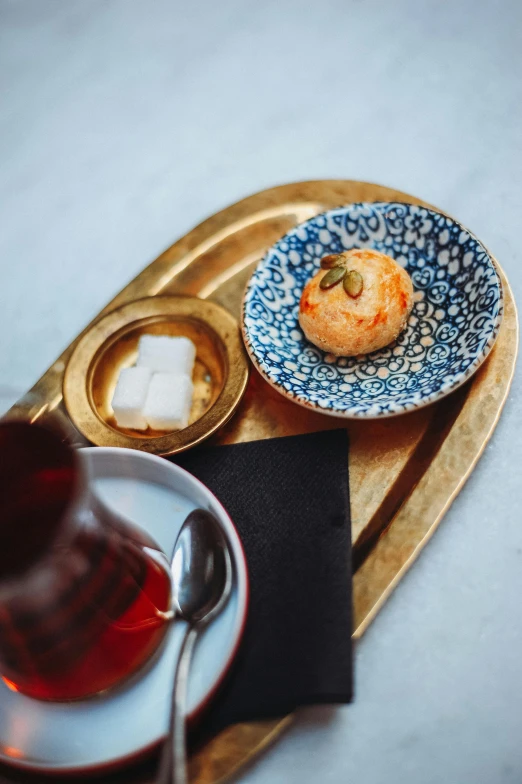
173,761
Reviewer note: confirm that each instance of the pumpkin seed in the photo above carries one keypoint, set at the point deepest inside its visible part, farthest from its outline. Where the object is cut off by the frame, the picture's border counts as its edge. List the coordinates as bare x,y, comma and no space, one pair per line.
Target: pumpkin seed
332,278
332,260
353,283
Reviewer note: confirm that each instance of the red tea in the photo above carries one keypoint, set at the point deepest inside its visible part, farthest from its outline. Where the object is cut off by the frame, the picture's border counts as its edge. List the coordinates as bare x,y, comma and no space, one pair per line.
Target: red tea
82,599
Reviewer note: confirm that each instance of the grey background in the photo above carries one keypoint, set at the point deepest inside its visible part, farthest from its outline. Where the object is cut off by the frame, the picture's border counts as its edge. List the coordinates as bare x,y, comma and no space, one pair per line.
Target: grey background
124,122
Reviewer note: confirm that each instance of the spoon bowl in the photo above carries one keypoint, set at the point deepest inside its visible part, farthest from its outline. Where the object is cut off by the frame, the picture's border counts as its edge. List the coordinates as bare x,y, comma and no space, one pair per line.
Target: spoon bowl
201,571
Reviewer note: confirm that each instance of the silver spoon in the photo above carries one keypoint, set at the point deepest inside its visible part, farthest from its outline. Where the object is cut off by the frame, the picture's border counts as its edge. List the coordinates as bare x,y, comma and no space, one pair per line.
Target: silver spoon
202,581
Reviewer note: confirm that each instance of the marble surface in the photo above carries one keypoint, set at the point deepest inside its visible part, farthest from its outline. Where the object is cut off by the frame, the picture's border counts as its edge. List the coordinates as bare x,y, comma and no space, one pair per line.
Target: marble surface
123,123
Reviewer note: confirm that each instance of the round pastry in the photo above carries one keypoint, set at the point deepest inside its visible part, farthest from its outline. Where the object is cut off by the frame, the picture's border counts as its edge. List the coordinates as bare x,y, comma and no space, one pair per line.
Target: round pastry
357,303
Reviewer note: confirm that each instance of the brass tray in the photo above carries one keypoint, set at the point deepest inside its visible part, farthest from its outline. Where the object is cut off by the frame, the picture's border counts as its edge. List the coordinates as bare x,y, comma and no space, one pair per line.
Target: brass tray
404,472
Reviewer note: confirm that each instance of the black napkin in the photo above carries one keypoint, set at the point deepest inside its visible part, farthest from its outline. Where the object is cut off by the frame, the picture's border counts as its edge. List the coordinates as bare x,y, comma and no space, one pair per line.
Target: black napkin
288,498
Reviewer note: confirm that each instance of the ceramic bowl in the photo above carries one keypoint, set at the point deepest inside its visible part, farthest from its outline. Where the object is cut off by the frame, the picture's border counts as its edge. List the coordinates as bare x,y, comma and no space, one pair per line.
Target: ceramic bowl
452,328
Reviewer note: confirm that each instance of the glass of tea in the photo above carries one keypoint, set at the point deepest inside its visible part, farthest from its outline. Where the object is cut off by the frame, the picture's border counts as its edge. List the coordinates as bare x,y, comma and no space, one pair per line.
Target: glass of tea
85,597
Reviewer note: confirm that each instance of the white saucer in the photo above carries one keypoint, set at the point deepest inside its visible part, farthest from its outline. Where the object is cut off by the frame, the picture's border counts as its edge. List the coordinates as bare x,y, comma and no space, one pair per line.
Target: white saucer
127,721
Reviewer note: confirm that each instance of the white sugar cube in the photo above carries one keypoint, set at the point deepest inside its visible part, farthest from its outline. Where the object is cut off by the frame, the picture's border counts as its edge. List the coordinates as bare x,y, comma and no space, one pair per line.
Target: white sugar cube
168,402
165,354
129,397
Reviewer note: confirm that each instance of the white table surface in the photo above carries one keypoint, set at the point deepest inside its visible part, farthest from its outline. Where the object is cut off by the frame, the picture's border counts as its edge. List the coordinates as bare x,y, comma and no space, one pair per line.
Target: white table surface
123,123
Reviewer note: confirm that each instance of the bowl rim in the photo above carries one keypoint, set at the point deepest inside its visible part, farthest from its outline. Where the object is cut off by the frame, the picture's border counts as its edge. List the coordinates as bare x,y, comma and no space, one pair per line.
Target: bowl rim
354,412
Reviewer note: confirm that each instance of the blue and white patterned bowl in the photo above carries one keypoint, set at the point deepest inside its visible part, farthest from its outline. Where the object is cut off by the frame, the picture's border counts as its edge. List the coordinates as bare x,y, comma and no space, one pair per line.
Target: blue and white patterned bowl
451,330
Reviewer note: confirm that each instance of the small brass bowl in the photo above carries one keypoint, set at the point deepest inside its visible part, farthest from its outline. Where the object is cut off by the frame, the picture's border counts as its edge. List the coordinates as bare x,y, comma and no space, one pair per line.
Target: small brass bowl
220,372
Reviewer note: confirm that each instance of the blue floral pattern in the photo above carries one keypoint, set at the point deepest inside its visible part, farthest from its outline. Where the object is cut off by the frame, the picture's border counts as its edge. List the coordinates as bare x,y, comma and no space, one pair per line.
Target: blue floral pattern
452,327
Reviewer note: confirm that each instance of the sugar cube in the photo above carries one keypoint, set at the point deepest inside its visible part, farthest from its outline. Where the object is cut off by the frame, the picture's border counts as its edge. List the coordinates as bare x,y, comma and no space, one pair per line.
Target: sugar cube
162,353
168,402
129,397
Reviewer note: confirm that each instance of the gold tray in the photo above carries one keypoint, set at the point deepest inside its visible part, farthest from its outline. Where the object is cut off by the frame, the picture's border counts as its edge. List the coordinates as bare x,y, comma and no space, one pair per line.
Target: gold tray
404,472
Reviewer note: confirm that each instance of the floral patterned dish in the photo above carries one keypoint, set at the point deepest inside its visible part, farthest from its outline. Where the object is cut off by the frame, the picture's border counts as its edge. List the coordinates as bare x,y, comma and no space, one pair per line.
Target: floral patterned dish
456,316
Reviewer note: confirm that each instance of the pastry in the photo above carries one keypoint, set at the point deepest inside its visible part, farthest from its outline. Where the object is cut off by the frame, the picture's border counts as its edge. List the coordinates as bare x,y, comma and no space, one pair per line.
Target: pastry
358,302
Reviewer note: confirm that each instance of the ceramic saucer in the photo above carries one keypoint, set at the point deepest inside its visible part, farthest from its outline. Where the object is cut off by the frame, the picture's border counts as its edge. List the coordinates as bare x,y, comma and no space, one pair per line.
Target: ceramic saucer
452,328
125,722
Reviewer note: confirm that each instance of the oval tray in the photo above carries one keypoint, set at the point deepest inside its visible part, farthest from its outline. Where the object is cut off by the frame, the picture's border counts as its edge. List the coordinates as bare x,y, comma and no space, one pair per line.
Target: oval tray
404,472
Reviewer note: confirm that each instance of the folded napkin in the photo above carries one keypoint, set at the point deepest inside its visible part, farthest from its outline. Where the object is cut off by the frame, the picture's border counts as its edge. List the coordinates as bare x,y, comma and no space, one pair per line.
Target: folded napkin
288,498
